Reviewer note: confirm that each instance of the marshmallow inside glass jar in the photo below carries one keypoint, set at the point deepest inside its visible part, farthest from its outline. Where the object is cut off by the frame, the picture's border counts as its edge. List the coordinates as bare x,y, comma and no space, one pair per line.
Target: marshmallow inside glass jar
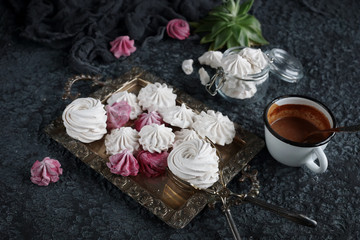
244,73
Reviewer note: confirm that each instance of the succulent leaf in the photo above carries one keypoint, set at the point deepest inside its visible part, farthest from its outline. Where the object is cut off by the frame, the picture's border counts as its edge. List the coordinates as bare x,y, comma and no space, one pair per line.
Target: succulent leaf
222,38
232,42
245,7
230,25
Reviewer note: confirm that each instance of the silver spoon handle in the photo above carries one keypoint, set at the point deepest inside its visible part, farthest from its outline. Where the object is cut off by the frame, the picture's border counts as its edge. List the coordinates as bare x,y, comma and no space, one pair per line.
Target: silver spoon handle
354,128
295,217
232,224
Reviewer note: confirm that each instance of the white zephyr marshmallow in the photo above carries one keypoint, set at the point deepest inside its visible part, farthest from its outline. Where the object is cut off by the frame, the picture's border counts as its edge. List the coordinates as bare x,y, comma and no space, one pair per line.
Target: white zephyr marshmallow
195,162
211,58
187,66
120,139
85,119
218,128
204,76
185,135
255,57
156,138
156,96
130,98
236,66
239,89
178,116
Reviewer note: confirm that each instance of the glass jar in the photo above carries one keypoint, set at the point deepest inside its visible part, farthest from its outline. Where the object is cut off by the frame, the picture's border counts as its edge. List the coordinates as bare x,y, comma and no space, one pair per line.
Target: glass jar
176,191
253,87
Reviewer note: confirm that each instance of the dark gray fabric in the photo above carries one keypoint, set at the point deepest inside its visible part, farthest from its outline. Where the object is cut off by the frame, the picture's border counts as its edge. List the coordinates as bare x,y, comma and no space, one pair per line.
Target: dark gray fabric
87,26
323,35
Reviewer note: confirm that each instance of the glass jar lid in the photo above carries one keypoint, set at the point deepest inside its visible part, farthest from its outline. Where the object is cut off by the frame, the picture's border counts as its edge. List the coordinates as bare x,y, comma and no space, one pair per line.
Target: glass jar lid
284,65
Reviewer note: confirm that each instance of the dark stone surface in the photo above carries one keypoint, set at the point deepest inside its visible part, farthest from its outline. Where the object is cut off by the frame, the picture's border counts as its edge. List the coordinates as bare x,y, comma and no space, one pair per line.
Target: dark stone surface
324,35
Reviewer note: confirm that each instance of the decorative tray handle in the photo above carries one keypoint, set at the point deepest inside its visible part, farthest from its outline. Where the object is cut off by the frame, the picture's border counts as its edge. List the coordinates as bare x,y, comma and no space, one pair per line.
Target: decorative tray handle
229,198
95,79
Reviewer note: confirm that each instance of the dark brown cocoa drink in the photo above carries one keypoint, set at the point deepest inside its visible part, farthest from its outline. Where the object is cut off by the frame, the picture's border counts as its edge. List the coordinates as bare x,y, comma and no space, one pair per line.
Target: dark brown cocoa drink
295,121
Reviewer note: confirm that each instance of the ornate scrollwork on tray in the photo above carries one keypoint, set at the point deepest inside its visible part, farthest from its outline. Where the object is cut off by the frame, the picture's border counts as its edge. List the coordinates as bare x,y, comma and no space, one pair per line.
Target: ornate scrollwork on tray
246,146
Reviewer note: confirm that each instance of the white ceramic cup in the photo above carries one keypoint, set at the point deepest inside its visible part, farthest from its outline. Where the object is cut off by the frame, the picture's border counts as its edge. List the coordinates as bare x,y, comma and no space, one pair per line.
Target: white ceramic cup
296,154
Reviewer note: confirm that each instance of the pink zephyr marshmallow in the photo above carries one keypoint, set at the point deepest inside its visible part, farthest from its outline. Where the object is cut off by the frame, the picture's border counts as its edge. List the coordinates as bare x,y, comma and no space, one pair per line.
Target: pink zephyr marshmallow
147,119
46,171
118,114
123,163
178,29
152,164
122,46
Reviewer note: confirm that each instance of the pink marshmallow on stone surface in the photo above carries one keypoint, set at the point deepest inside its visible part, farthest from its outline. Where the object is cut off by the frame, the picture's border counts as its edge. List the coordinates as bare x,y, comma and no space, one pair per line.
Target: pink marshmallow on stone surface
46,171
152,164
123,163
122,46
147,119
178,29
118,114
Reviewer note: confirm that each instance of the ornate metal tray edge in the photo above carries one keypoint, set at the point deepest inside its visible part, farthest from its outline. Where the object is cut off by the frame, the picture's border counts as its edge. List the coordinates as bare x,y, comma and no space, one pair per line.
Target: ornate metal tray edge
174,218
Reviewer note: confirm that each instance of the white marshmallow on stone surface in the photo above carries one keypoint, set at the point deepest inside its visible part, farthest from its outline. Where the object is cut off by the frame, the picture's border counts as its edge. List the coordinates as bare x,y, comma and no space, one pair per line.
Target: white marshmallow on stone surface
204,76
211,58
187,66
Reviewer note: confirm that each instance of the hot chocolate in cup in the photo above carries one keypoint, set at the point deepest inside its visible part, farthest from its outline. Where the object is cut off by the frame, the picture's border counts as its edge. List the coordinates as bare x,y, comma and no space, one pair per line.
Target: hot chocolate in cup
288,120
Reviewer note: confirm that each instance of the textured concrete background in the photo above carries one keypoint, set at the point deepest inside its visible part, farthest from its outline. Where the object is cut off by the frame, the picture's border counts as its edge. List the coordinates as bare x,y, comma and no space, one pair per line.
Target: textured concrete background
323,35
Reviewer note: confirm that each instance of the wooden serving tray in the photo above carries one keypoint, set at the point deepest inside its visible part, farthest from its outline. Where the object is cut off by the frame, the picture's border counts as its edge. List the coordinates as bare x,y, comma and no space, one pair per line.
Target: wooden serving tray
149,191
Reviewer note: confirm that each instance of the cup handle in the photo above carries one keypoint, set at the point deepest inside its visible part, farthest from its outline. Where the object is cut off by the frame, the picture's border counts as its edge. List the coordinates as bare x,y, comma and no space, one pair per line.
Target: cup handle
323,162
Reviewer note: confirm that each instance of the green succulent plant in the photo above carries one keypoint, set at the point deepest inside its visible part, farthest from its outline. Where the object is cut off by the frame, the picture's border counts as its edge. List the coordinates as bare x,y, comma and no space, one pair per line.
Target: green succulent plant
230,25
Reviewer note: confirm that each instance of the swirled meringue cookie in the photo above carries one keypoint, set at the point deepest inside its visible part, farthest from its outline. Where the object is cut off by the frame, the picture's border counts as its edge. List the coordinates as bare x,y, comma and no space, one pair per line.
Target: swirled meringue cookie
218,128
185,135
130,98
156,96
156,138
211,58
236,66
120,139
195,162
178,116
255,57
85,119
